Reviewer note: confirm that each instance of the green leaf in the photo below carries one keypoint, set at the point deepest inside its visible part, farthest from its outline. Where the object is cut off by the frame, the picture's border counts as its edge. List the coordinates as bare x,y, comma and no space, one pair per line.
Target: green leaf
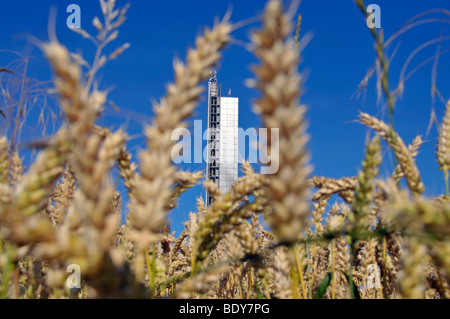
7,274
323,286
354,292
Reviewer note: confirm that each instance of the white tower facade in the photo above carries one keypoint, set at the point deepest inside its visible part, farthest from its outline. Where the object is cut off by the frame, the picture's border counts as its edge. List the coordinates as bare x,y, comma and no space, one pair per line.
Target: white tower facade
228,145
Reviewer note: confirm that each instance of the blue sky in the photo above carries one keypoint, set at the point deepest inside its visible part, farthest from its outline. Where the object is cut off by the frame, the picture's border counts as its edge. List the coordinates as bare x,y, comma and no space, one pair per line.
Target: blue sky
335,61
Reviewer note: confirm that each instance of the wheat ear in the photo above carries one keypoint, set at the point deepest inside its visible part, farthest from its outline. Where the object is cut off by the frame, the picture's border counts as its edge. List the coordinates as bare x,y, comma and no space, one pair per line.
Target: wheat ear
278,80
406,161
443,147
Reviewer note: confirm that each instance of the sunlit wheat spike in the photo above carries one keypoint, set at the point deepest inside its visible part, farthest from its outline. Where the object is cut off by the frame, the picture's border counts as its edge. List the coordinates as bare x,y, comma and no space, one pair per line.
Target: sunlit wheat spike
4,161
279,82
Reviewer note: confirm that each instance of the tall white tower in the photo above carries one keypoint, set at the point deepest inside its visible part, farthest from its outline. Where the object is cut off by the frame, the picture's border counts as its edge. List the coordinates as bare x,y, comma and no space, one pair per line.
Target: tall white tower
222,156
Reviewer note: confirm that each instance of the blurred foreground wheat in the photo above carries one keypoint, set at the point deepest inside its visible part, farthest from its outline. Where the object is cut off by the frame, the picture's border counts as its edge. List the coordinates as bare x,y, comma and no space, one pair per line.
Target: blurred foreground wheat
381,241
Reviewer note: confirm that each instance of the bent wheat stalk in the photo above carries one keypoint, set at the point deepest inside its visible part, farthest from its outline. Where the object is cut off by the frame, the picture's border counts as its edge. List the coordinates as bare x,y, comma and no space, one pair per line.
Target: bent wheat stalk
403,155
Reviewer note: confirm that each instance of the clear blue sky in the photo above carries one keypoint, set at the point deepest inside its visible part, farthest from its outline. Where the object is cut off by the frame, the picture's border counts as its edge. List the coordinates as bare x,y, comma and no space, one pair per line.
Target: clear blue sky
335,61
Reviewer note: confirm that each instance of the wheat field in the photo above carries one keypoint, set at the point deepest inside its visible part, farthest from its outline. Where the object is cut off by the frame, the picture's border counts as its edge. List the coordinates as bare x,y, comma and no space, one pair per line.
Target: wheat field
280,236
